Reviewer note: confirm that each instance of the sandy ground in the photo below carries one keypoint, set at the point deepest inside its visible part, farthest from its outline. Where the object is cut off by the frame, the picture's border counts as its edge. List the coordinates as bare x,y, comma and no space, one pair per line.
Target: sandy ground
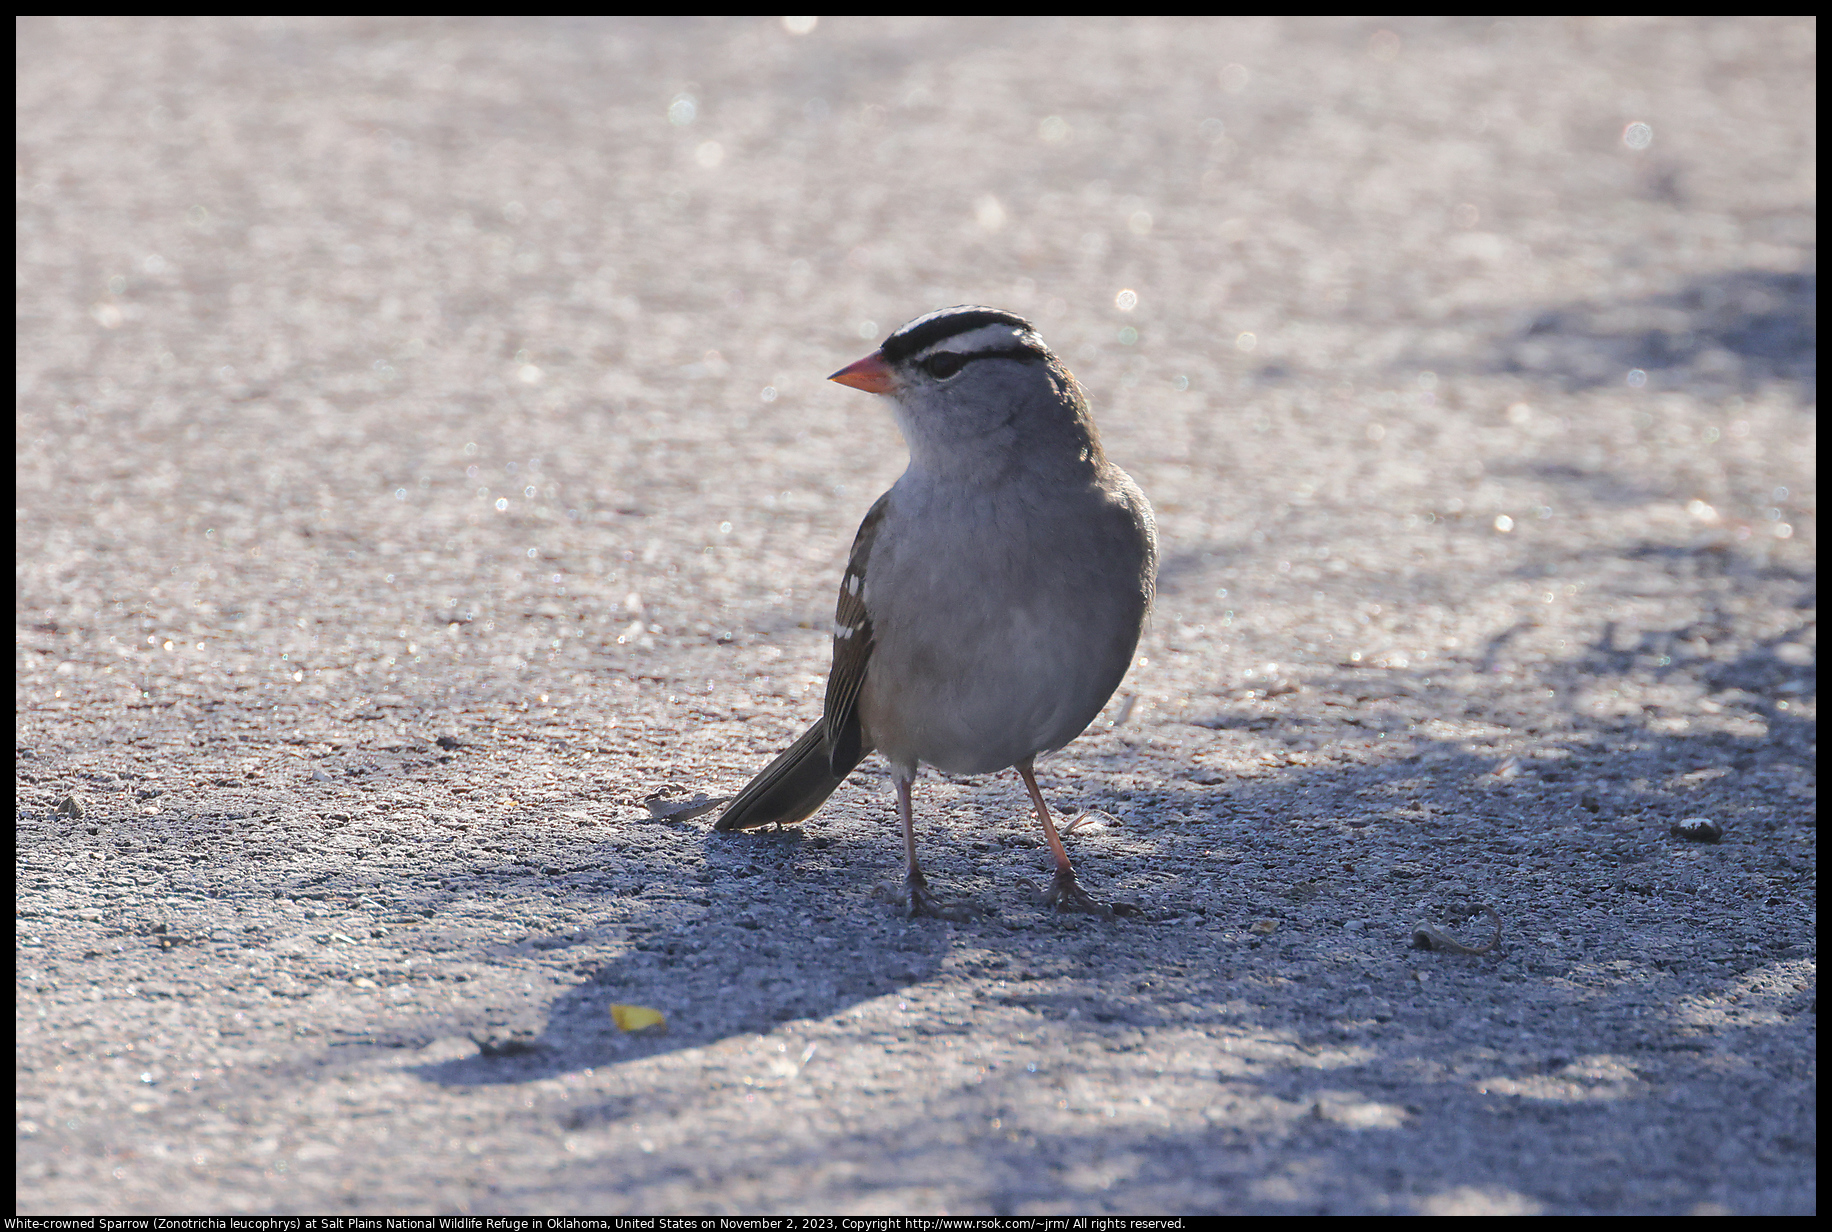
423,455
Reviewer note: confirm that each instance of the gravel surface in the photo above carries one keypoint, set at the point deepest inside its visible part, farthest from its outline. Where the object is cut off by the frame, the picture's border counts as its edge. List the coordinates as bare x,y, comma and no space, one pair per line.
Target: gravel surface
424,456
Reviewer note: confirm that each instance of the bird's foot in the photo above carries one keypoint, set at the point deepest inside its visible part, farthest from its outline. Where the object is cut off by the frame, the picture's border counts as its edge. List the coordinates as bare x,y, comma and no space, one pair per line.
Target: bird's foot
920,902
1066,894
914,897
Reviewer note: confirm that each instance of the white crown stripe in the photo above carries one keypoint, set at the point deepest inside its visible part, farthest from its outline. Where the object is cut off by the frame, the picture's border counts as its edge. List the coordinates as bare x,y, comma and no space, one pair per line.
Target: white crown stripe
985,338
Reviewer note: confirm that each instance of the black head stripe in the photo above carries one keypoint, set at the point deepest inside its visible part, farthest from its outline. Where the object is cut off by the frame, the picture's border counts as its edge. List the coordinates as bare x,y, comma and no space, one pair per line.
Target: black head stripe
1029,355
926,331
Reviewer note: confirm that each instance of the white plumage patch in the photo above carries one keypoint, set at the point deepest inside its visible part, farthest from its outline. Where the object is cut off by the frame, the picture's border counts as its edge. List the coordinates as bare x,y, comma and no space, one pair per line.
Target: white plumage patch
998,337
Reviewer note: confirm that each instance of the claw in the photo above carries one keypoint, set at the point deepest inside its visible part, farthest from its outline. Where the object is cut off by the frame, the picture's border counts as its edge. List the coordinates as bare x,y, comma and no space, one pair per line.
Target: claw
1066,894
920,902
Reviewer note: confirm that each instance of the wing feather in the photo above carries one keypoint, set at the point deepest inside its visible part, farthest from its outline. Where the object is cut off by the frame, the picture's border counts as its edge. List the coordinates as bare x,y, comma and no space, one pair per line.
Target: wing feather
852,647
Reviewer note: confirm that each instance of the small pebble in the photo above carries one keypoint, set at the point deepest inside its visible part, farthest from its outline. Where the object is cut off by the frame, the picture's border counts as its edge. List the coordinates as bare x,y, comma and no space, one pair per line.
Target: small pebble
70,806
1697,830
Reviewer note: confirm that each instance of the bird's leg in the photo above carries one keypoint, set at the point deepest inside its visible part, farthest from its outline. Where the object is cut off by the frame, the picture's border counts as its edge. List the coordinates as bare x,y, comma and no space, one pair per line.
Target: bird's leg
915,885
1065,893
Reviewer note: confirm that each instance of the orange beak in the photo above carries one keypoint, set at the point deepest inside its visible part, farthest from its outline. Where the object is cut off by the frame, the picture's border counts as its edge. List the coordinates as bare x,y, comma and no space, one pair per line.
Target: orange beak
871,374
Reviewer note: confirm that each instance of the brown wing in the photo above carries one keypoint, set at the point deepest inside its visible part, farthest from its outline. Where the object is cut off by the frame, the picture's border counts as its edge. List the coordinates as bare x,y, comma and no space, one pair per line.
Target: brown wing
852,647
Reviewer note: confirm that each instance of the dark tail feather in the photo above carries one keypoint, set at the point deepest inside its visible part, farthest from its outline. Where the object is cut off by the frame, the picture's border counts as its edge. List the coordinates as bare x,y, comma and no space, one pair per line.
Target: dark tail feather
791,787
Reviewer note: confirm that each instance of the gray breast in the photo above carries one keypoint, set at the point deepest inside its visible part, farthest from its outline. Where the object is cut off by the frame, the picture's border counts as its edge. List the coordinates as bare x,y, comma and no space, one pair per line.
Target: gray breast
1000,634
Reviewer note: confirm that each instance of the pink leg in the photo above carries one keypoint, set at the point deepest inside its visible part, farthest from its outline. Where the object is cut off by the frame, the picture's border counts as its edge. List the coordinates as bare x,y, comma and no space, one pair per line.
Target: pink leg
915,885
1065,892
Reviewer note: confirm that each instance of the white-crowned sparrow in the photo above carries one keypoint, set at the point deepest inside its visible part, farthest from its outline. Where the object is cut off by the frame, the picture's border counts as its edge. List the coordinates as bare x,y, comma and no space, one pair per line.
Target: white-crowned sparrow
994,595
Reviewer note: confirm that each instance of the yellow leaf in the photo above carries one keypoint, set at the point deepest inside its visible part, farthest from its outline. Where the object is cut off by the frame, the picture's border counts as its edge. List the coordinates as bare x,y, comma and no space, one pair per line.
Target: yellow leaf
637,1018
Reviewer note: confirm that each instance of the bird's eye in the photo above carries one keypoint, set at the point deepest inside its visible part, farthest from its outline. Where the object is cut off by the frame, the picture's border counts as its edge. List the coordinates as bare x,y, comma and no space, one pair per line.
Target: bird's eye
943,366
